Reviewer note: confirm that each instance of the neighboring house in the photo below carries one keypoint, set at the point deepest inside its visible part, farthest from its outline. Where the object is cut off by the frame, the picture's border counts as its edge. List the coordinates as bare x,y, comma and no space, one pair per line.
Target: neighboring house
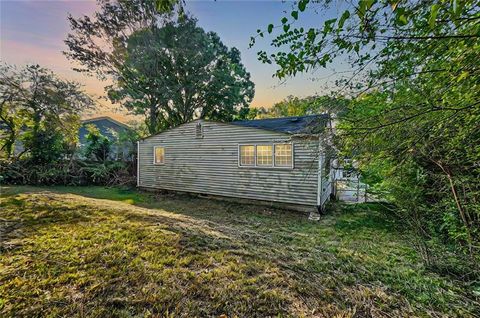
109,128
275,160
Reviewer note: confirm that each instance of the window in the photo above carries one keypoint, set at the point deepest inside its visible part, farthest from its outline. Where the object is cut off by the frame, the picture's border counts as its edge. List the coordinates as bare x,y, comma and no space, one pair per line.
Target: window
247,155
264,155
158,155
283,155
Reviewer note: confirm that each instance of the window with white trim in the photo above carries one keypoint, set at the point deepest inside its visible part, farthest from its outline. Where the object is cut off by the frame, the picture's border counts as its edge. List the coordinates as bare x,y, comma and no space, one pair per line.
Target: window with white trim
283,155
158,155
247,155
264,155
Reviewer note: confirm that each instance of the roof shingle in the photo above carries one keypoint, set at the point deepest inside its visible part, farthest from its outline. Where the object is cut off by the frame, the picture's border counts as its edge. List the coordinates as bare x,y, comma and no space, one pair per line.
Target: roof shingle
310,124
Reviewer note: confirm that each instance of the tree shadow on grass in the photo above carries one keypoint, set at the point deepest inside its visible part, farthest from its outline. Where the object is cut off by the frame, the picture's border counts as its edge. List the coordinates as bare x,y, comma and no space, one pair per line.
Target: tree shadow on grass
126,263
22,213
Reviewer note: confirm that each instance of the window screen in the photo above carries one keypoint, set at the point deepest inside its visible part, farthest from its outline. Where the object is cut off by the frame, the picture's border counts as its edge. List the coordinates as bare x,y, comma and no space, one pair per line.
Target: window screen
283,155
159,155
247,155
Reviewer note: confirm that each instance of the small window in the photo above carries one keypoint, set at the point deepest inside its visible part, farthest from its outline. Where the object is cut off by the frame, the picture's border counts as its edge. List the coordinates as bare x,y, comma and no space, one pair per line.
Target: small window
159,155
283,155
264,155
247,155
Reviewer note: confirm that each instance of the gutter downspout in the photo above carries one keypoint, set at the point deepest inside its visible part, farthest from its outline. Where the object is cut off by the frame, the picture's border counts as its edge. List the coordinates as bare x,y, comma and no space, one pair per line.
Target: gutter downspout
138,164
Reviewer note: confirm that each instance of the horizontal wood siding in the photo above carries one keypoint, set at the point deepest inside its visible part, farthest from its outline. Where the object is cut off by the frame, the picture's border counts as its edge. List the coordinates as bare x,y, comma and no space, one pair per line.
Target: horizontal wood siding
209,165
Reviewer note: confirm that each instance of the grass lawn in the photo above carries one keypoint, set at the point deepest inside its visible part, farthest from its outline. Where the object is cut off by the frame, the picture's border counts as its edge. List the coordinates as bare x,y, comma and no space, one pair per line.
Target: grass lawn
97,252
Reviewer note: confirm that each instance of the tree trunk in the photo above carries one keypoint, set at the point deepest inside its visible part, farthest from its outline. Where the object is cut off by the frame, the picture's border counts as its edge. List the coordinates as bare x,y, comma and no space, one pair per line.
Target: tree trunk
460,208
152,120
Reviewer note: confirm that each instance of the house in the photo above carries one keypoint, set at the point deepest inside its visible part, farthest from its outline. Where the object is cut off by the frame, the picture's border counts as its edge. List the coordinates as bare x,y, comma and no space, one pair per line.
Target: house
276,160
107,126
111,129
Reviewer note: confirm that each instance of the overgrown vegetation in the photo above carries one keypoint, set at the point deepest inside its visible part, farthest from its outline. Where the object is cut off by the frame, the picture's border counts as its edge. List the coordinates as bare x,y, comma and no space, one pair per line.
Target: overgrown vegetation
412,125
39,111
99,147
39,129
90,251
74,173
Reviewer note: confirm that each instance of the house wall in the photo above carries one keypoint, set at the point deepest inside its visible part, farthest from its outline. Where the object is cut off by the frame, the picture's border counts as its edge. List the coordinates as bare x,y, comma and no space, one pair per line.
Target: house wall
209,165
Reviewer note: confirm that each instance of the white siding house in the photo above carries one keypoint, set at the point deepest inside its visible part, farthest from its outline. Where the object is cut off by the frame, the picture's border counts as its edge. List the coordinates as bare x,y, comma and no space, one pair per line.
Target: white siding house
274,160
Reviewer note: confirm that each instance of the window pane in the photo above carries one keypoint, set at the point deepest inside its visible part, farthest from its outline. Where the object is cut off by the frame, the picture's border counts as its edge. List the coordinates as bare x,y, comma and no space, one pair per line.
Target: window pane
283,155
159,155
247,155
264,155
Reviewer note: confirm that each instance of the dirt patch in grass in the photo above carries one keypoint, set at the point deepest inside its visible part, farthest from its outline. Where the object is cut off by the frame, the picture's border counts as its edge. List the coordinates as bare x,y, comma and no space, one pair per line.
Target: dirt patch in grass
92,251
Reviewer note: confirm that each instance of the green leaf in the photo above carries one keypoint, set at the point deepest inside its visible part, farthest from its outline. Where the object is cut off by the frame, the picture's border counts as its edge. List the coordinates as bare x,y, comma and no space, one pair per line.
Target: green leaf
402,20
284,20
329,25
302,4
364,6
270,28
343,18
286,27
462,76
295,14
311,34
252,42
433,15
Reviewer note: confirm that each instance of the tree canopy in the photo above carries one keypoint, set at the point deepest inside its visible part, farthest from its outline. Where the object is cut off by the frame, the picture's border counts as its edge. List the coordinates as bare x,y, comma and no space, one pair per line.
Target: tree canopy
163,65
295,106
40,110
190,74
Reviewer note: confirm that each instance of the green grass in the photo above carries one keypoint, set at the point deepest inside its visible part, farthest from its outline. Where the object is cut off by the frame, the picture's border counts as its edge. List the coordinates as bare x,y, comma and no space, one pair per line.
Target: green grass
94,252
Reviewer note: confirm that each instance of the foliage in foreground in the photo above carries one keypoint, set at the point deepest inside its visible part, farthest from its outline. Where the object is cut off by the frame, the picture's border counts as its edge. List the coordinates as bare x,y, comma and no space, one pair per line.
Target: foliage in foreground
414,124
137,255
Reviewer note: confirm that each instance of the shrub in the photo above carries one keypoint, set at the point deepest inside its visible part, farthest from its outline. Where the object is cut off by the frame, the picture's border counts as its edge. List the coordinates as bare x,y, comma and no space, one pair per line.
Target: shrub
73,172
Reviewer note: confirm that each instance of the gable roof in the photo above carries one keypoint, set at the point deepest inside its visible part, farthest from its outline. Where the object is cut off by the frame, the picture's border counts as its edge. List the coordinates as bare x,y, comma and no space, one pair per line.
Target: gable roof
104,118
107,126
293,125
309,125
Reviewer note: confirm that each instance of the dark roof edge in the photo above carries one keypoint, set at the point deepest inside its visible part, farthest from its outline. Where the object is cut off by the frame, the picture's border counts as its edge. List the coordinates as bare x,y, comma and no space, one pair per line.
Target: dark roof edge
86,121
218,122
324,115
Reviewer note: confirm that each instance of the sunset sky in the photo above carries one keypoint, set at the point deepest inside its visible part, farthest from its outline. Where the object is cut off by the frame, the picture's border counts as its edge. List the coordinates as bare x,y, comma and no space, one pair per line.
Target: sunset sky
33,32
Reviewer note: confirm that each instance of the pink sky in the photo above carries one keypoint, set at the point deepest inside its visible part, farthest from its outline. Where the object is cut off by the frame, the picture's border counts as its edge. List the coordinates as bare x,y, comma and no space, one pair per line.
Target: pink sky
22,44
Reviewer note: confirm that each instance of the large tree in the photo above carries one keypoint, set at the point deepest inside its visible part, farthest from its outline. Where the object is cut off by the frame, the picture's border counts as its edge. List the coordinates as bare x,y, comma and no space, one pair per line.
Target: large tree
41,110
180,73
163,66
